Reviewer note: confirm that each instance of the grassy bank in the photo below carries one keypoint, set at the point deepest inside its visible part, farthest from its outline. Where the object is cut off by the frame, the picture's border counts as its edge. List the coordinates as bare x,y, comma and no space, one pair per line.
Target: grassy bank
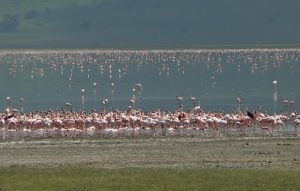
70,178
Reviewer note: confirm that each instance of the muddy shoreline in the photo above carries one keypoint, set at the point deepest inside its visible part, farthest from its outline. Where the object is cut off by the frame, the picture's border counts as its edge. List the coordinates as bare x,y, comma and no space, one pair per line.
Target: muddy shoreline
256,153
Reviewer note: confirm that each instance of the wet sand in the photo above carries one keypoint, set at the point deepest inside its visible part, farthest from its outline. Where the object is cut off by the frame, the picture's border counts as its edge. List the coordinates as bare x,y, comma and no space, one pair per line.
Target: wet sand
258,153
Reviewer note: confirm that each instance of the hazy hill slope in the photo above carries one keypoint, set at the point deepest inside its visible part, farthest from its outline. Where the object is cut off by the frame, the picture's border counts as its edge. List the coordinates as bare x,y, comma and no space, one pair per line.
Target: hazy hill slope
143,23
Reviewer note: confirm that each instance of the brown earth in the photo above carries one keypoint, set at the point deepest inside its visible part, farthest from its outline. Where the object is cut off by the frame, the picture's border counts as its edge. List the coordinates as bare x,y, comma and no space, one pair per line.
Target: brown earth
259,153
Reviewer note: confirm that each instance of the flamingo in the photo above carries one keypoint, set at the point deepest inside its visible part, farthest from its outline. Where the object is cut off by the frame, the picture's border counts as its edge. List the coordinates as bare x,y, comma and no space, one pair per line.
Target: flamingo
297,123
136,122
180,101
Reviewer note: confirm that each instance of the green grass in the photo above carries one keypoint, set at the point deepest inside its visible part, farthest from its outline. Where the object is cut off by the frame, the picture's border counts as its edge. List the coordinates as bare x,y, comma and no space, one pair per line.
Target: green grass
71,178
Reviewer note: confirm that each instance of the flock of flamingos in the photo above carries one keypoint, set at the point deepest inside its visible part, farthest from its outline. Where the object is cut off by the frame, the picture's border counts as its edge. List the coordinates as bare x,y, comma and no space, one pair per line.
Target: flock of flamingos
15,125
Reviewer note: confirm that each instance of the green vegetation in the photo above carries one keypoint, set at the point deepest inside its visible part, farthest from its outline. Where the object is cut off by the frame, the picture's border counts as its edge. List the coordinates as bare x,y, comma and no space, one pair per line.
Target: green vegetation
148,23
71,178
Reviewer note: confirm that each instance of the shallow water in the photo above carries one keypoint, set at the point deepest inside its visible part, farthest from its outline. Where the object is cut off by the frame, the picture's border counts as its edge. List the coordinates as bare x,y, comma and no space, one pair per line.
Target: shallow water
47,79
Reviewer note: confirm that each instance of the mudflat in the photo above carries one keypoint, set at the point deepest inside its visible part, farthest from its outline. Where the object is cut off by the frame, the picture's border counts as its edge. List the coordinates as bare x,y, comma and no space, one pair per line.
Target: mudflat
175,152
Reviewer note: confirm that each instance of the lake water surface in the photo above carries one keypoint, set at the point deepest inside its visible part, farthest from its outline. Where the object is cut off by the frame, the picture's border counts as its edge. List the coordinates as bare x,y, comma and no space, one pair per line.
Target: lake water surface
98,79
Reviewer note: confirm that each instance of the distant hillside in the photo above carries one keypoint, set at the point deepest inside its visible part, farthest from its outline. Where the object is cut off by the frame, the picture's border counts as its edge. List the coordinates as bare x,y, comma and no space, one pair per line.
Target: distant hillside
147,23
